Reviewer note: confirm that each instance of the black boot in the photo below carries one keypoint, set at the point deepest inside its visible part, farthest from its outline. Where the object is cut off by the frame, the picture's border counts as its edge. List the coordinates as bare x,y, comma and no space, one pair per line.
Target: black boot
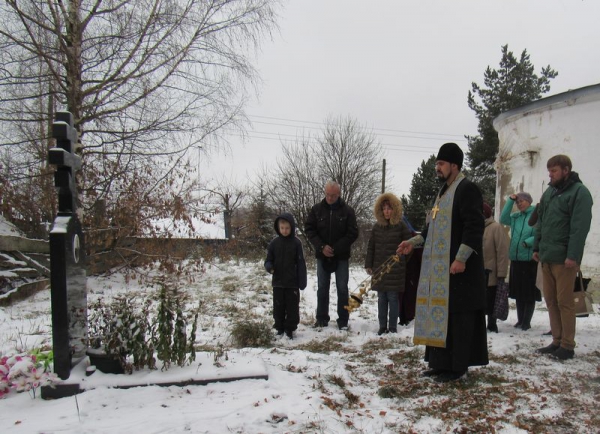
491,325
528,310
519,314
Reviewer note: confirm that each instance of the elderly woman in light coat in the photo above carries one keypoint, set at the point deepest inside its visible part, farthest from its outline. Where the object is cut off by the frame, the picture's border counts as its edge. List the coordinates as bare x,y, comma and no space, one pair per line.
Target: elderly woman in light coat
523,269
495,259
388,232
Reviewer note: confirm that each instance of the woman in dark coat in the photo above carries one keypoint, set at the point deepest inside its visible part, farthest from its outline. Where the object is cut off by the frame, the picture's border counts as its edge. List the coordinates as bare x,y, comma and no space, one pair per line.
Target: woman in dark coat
408,300
388,232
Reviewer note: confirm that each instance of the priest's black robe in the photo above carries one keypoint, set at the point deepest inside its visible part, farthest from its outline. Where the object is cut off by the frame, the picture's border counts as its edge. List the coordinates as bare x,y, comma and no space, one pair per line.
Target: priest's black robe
466,342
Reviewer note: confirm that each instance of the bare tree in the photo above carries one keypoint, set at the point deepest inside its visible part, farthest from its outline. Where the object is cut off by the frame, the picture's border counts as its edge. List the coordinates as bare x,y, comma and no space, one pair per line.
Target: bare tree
344,152
229,196
295,188
150,84
350,155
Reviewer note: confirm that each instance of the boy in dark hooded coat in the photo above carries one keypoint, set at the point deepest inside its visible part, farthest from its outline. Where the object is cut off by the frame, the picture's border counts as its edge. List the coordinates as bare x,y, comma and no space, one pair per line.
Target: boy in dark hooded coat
285,261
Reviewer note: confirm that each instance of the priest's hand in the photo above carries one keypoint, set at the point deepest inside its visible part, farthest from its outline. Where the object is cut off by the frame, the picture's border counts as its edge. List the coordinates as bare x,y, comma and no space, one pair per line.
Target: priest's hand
457,267
536,257
405,248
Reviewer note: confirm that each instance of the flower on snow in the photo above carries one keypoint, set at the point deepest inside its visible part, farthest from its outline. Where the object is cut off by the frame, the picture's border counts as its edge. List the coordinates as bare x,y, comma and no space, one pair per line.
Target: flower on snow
23,373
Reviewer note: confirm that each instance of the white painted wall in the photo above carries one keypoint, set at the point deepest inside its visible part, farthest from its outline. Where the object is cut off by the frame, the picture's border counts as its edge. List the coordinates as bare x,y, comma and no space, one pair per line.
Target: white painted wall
568,123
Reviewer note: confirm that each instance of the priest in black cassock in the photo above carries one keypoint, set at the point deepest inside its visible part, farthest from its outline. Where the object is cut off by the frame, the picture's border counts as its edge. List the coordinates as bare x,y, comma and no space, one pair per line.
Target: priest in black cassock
450,312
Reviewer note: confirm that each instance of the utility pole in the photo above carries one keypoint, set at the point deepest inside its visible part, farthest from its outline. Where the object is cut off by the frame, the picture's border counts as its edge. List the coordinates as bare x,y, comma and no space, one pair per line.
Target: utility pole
383,178
227,218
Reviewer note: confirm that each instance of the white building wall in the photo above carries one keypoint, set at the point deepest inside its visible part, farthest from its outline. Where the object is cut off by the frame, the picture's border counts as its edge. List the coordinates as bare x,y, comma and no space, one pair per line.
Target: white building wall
568,123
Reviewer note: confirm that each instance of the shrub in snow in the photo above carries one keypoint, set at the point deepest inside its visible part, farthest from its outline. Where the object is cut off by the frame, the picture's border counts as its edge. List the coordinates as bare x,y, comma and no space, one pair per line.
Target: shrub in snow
138,331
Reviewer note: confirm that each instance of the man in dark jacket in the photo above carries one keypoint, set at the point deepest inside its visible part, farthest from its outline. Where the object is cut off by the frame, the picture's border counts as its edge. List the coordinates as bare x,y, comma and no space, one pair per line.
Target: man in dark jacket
450,313
285,260
331,228
564,219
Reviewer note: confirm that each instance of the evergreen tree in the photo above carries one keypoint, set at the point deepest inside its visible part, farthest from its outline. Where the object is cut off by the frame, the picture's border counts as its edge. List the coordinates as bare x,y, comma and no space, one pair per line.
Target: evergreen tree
253,224
512,85
262,218
423,188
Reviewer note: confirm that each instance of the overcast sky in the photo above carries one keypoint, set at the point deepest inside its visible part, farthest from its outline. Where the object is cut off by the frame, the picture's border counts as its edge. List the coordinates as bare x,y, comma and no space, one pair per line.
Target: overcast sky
403,69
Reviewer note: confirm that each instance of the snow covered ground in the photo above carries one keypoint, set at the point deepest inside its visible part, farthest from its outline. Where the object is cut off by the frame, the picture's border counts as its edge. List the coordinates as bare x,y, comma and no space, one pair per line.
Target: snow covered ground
326,381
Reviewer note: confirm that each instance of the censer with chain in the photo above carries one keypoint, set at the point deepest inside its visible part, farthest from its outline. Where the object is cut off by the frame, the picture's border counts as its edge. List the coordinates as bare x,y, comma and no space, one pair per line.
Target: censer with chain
356,299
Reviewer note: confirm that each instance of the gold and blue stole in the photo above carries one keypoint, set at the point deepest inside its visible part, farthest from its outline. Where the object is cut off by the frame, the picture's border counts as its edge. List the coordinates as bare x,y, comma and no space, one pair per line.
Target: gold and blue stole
433,293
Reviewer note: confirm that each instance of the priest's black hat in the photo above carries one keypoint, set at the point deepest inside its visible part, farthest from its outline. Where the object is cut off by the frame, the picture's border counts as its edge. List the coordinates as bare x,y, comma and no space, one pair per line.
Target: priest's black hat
451,153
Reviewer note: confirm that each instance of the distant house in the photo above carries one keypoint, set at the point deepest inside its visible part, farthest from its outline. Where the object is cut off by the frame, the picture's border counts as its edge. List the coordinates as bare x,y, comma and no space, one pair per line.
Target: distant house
202,229
567,123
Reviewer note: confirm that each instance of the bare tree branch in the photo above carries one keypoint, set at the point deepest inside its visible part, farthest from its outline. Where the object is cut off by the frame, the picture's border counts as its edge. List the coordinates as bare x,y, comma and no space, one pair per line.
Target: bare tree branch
149,82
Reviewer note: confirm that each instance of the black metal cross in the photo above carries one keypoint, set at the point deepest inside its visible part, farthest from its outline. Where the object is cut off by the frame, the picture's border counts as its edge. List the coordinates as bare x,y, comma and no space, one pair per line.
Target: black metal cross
67,162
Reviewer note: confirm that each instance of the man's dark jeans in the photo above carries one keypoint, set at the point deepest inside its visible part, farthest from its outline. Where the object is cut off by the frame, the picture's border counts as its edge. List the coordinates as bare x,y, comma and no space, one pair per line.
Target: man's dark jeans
341,282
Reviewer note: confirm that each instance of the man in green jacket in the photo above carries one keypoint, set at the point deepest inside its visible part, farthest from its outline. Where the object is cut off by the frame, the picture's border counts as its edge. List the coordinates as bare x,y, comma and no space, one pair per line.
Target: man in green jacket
564,218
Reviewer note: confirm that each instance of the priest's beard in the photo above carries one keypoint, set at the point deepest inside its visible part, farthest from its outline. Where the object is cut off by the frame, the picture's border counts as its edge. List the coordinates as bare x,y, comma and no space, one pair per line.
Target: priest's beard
442,179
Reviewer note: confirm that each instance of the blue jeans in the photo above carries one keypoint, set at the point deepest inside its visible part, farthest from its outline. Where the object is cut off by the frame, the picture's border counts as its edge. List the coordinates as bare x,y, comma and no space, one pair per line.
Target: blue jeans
342,275
388,300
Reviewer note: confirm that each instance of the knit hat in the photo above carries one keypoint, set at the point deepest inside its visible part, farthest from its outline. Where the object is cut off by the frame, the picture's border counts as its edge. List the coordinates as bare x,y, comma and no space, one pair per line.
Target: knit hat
524,196
451,153
487,210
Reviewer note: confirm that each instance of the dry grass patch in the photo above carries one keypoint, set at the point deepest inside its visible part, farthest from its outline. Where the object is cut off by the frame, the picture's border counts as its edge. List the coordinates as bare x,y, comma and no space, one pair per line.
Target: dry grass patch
230,284
489,398
331,344
252,333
